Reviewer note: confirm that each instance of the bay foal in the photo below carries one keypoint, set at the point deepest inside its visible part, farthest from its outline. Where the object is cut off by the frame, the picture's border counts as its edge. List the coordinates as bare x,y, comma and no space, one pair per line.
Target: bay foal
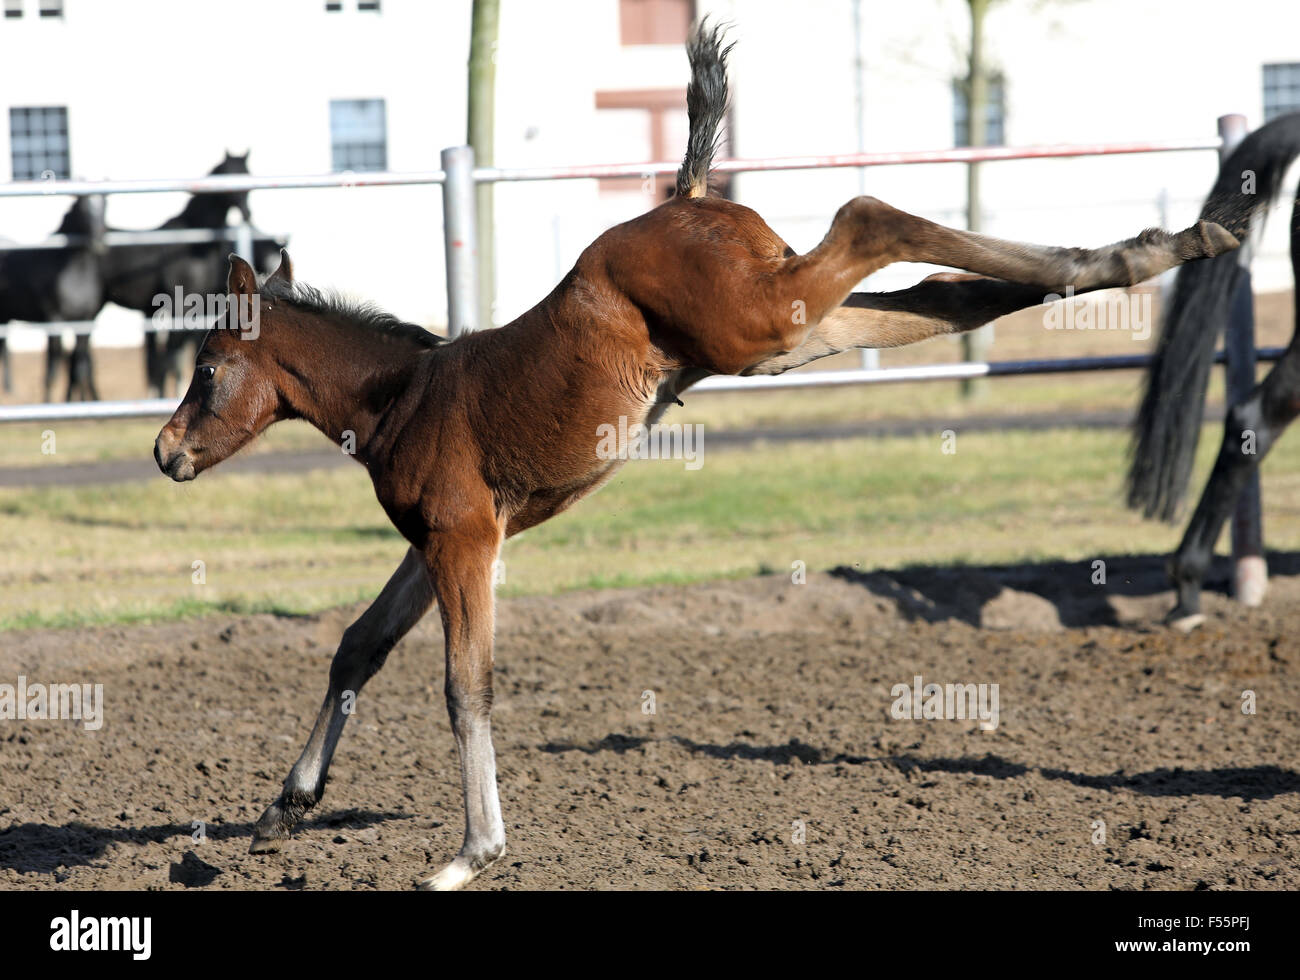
471,441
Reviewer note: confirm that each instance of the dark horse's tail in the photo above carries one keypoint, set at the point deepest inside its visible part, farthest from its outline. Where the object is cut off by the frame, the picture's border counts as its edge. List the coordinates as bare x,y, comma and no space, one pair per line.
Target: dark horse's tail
1168,421
706,106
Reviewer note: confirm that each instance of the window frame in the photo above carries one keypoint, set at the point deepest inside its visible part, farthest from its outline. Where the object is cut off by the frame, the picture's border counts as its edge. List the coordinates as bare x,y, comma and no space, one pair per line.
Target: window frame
45,153
1291,82
995,111
354,146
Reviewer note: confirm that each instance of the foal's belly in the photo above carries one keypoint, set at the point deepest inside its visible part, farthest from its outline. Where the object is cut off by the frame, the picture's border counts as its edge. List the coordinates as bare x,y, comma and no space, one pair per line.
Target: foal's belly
591,464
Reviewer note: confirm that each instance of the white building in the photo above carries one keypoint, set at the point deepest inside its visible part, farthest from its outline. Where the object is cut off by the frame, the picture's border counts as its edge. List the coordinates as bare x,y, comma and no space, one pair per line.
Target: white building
161,88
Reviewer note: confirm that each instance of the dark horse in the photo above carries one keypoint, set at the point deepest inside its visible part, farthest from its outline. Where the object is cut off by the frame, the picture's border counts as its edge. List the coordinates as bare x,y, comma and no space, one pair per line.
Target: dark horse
57,284
73,283
471,441
1168,423
136,275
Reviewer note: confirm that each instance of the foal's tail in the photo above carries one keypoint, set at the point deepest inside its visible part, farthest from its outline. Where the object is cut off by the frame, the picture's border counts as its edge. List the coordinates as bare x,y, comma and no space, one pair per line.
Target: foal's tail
706,105
1168,422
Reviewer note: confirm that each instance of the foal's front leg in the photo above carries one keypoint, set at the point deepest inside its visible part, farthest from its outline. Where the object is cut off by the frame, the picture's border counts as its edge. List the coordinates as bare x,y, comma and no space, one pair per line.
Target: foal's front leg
365,646
461,563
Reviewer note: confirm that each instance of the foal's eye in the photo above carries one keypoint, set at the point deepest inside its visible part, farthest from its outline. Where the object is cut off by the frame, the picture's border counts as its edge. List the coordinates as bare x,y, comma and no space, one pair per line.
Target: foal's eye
207,372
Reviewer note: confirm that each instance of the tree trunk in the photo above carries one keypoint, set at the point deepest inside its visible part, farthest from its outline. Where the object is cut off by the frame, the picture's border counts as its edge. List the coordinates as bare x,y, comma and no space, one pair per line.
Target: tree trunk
481,119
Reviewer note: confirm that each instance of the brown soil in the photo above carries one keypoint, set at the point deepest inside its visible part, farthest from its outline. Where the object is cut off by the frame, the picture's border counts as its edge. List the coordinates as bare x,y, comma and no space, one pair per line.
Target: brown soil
771,707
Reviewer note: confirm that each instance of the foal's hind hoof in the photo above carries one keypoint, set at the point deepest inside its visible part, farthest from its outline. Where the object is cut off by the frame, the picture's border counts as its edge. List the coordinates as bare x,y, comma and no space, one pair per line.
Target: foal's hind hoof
1205,240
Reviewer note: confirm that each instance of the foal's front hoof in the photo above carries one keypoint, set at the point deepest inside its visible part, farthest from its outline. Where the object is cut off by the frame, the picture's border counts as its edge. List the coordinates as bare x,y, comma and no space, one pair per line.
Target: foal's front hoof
265,845
458,874
1184,617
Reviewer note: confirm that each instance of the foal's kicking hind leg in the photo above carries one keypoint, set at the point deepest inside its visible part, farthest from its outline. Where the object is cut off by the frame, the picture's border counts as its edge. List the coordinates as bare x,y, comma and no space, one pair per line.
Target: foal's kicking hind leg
365,646
867,234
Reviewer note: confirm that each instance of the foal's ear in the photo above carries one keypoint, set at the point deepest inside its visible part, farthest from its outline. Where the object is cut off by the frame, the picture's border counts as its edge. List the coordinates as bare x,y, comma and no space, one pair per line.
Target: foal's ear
241,280
285,272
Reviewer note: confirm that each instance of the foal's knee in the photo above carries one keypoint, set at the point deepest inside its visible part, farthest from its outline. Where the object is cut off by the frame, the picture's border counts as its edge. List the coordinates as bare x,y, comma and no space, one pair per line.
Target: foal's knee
467,705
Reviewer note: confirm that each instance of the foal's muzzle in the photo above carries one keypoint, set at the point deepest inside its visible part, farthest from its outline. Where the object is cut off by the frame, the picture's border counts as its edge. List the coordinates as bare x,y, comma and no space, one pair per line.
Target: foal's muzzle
174,461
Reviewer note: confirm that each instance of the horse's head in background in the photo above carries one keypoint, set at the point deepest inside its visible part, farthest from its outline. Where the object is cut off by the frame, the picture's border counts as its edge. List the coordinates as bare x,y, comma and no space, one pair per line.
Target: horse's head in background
232,164
210,210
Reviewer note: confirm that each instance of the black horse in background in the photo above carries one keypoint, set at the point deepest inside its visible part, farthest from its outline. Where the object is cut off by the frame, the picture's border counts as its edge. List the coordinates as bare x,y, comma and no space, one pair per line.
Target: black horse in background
1168,422
135,275
73,283
57,284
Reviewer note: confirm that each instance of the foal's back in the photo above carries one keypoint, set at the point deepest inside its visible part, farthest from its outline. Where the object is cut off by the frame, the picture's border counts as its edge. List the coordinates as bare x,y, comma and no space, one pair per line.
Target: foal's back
648,298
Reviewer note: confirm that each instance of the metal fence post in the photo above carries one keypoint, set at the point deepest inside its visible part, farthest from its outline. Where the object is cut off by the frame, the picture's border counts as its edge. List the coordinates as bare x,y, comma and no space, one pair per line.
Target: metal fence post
459,214
242,240
1250,571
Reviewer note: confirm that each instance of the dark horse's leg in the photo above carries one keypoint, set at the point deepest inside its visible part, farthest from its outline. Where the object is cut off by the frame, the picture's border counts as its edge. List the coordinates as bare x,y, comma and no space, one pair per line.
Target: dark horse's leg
1249,432
53,358
81,372
176,357
6,374
365,647
152,363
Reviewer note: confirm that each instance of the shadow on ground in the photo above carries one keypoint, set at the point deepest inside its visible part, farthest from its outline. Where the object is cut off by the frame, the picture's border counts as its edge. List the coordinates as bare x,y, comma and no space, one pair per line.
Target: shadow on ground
1136,590
45,848
1247,783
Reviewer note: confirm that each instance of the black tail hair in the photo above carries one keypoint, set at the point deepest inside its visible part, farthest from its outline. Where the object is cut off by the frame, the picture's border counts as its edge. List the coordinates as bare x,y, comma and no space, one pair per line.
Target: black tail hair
706,106
1168,422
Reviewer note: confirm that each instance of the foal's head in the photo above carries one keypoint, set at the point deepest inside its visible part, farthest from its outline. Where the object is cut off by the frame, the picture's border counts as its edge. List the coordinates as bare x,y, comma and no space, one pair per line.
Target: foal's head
236,391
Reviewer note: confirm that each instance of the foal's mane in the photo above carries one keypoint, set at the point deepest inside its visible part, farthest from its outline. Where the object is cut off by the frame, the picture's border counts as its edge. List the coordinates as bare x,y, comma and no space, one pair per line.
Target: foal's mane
358,313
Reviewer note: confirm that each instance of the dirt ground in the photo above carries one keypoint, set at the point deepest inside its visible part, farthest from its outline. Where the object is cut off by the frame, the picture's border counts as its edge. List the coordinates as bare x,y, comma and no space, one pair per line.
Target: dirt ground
1122,758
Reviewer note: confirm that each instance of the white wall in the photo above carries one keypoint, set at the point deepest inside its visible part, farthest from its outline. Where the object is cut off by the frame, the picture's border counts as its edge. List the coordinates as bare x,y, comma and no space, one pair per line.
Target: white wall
162,89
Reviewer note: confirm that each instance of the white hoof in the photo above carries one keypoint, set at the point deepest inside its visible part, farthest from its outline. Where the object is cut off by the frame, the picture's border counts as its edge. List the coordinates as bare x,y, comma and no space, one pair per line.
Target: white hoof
1188,623
1252,580
456,875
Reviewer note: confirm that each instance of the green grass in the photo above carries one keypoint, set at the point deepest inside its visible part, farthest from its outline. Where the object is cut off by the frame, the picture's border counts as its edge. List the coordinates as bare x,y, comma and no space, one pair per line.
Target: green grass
297,544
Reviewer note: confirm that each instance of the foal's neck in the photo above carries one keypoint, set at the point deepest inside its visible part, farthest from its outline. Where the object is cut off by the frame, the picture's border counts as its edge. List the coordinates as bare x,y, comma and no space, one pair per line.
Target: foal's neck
343,378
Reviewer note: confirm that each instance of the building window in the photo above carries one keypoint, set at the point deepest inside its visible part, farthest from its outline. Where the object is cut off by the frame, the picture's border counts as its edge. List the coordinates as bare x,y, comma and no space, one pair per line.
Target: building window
38,140
333,6
13,8
655,21
368,5
1281,90
651,126
994,112
358,134
51,8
